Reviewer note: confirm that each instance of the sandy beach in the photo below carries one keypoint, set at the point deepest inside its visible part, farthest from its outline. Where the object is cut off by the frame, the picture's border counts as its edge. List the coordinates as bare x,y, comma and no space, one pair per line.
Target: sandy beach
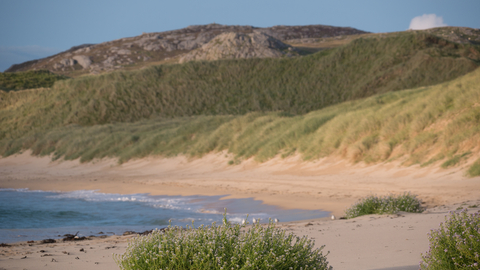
368,242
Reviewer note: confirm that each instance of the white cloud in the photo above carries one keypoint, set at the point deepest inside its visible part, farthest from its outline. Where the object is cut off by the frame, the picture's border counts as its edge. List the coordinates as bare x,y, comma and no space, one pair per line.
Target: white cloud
426,21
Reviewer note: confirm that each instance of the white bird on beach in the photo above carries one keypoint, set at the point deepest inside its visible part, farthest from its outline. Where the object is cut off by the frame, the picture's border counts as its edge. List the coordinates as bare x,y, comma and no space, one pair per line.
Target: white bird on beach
276,220
254,221
243,221
333,217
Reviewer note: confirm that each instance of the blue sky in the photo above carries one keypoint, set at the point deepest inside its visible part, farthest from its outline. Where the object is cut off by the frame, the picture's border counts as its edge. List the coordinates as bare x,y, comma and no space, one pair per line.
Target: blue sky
33,29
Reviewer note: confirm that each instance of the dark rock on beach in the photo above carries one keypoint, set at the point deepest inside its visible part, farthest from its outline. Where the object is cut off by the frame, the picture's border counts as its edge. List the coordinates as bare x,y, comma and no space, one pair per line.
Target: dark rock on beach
140,233
48,241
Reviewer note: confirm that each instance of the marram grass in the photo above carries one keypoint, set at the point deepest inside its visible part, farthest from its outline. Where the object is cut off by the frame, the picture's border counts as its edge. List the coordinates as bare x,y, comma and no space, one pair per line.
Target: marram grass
474,169
422,126
222,247
295,86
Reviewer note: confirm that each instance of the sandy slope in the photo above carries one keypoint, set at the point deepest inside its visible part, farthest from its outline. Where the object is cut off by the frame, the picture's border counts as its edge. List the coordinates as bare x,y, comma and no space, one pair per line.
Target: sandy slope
364,243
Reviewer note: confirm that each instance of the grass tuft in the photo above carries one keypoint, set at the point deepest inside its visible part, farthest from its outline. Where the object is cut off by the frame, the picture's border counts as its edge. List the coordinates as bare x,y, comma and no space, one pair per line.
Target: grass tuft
474,169
384,205
222,247
455,160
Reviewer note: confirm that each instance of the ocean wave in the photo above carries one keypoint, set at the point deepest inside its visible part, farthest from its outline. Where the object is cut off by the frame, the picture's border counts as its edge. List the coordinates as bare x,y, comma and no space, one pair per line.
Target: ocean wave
146,199
26,190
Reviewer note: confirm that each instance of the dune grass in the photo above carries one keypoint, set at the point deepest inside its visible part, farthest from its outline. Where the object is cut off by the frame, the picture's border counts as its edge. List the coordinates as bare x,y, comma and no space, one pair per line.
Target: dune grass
474,169
419,126
455,160
262,108
362,68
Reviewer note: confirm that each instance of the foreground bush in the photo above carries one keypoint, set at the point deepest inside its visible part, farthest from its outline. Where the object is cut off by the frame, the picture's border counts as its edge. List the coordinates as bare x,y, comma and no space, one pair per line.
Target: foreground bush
222,247
456,244
384,205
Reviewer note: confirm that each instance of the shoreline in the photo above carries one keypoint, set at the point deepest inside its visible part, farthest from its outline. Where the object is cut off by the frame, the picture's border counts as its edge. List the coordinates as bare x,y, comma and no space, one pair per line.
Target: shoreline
367,242
139,212
329,184
373,242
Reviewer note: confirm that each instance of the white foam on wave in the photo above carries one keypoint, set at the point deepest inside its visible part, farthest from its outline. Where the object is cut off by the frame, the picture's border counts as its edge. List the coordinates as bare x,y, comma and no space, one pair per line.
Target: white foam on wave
178,203
173,203
151,201
181,203
164,202
25,190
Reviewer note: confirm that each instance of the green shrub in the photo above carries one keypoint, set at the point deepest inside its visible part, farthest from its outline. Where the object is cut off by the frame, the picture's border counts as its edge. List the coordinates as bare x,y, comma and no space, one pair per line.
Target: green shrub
384,205
456,244
222,247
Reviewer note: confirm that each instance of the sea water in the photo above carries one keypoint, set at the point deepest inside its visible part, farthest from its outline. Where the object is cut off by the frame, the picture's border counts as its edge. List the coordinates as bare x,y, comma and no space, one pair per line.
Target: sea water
27,215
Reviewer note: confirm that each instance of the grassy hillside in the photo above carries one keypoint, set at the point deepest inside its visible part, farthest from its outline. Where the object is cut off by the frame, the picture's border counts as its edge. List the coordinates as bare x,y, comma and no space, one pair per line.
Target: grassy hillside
266,107
28,80
295,86
437,124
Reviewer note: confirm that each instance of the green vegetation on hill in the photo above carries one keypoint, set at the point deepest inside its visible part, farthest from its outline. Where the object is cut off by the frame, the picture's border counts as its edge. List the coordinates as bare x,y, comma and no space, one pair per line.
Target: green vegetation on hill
264,107
28,79
295,86
419,126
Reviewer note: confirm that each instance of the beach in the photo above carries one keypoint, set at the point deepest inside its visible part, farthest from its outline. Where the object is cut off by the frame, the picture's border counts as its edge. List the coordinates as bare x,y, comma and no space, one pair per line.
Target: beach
330,184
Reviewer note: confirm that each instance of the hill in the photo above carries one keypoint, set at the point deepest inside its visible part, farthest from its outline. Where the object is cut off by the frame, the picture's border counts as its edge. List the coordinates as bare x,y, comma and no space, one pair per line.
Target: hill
362,68
162,47
238,45
206,96
172,46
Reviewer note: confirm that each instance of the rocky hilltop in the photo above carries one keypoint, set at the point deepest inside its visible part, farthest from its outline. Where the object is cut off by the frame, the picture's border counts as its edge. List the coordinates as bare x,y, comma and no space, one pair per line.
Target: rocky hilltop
239,45
170,46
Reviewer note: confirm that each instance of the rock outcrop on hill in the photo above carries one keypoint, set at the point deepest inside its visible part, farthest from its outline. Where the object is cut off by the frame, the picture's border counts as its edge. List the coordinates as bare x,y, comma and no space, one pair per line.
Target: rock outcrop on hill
240,45
462,35
148,48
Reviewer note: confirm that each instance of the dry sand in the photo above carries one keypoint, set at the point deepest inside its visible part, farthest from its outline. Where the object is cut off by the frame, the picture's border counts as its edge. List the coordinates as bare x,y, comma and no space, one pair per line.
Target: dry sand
369,242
